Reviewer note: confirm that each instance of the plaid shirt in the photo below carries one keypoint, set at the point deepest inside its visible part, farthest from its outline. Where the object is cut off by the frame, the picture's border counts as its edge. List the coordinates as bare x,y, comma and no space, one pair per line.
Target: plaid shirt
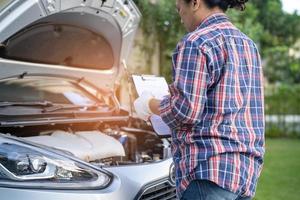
216,108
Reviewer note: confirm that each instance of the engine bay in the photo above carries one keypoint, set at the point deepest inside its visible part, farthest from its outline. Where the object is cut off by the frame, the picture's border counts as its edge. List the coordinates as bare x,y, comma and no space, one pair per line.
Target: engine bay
108,145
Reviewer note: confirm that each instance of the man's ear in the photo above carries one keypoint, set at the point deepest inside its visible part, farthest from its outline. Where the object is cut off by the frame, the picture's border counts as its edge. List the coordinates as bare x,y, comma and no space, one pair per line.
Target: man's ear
196,4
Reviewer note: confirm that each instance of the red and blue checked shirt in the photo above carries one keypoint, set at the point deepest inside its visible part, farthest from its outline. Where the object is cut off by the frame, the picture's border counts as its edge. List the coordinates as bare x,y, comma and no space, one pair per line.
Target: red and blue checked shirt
216,108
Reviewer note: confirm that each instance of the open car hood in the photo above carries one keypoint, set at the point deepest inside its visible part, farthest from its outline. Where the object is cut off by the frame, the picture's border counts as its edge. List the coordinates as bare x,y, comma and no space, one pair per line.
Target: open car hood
83,38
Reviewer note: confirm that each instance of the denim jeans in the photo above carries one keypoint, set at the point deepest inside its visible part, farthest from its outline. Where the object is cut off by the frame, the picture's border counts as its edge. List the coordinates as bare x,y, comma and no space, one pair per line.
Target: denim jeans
207,190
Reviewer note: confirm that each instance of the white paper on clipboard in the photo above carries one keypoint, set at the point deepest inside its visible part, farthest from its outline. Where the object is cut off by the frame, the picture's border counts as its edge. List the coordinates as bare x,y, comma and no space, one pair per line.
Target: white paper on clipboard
159,88
157,85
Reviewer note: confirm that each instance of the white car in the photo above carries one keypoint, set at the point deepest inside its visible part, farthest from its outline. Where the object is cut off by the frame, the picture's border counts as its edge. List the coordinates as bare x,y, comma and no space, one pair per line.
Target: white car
63,133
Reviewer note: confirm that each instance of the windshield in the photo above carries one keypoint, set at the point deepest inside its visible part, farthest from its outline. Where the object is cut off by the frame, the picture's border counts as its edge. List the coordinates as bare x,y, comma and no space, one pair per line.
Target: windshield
44,89
61,44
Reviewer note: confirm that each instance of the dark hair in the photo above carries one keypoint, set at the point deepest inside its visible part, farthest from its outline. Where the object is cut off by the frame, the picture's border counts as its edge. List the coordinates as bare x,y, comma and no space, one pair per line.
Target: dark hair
225,4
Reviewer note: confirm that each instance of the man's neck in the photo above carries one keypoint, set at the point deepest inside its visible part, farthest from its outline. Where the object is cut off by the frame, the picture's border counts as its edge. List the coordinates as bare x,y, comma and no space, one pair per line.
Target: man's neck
204,13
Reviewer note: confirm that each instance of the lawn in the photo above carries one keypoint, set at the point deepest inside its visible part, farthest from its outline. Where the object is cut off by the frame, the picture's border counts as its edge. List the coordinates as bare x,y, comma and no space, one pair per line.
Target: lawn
280,179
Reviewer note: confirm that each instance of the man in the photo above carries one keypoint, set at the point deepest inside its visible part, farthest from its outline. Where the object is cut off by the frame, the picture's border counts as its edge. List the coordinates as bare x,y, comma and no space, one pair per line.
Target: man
215,108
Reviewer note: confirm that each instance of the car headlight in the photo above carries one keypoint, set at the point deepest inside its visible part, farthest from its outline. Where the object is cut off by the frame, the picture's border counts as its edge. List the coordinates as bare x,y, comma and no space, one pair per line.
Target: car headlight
23,165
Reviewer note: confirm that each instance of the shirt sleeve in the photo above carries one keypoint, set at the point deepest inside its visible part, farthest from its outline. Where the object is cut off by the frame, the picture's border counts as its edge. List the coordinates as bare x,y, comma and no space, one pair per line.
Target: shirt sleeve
188,91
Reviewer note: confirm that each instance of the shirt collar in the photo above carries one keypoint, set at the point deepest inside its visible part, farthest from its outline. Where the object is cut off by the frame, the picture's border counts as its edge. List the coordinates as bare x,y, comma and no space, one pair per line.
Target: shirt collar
213,19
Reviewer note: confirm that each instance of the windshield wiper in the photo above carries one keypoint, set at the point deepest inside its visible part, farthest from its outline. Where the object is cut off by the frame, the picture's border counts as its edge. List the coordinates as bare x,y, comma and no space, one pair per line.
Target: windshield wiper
67,107
34,103
48,106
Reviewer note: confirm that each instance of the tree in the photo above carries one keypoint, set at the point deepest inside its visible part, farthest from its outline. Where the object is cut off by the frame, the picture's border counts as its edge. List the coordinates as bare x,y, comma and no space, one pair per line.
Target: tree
281,32
161,23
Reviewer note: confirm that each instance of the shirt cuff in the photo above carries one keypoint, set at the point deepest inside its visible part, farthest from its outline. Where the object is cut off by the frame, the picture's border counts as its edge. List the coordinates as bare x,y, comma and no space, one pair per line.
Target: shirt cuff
166,113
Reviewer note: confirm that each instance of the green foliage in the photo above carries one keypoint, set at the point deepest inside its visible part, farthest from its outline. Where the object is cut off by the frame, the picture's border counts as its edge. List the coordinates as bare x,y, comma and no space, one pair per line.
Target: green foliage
273,131
281,32
282,99
280,28
160,23
282,103
281,66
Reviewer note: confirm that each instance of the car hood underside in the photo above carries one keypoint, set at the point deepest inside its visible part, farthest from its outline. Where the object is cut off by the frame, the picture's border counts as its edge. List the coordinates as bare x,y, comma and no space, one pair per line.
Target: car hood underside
89,38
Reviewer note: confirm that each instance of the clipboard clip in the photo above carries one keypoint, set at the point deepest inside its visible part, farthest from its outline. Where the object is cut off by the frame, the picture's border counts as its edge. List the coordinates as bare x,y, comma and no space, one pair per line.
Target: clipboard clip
145,77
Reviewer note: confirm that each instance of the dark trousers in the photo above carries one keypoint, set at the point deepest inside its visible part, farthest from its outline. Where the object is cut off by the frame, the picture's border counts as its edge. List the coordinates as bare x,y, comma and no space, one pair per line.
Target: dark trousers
207,190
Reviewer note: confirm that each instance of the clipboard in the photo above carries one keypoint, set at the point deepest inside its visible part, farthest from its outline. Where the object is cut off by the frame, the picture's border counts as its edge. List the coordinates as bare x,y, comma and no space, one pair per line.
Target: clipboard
159,88
157,85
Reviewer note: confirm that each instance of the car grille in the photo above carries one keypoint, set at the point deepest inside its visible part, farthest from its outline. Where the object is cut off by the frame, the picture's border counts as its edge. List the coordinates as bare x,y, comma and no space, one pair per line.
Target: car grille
162,191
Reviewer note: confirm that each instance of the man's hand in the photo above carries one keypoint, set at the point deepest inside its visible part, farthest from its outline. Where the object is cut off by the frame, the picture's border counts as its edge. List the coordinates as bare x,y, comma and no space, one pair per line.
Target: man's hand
142,107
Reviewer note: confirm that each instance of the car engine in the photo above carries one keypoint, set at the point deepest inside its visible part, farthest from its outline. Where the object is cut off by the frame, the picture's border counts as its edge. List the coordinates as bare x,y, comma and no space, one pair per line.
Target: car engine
102,146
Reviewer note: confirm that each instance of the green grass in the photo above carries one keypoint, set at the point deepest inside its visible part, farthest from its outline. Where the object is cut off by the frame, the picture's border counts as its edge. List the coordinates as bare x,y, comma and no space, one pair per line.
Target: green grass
280,177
